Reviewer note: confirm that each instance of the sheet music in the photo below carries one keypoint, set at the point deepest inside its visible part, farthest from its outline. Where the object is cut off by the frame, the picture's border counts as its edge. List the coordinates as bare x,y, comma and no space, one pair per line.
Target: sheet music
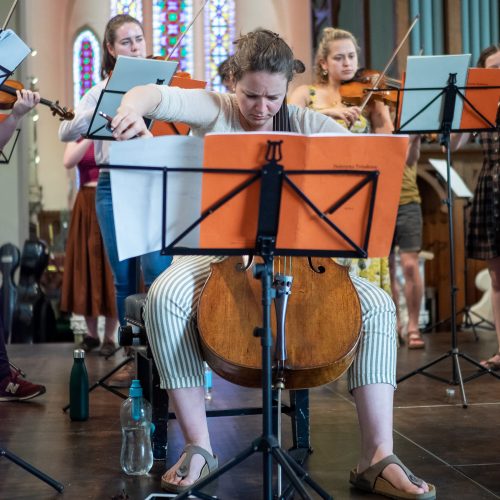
137,194
458,186
12,52
431,72
128,72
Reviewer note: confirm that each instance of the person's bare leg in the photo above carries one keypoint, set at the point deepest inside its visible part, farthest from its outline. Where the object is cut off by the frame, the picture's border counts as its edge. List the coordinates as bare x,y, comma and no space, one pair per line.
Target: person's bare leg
413,289
494,269
91,327
110,326
189,407
374,405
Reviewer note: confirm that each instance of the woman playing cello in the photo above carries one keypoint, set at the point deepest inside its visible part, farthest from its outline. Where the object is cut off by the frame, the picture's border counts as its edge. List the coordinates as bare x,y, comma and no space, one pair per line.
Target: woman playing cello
261,68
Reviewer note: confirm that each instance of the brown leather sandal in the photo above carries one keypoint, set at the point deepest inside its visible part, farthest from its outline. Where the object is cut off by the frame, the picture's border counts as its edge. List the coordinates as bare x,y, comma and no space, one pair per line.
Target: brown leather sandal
371,480
415,340
211,463
490,364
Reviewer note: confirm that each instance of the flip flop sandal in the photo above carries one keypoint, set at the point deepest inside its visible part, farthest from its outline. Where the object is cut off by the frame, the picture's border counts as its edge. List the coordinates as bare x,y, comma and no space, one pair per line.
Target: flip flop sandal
211,464
491,365
415,340
371,481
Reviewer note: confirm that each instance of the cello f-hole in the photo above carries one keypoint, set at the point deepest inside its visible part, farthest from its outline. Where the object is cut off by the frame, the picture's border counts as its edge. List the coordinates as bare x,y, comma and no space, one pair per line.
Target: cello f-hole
319,269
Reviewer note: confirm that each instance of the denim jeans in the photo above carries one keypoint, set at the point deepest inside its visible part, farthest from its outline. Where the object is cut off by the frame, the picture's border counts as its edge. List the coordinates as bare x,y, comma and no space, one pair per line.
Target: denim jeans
124,272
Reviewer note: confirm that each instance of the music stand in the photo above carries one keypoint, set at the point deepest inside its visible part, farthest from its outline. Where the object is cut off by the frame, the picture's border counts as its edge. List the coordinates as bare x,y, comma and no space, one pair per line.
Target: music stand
267,200
445,104
6,155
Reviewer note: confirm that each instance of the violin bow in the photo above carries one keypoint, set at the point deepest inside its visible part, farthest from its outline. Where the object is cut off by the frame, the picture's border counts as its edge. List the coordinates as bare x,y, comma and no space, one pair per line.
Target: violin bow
9,15
391,60
174,48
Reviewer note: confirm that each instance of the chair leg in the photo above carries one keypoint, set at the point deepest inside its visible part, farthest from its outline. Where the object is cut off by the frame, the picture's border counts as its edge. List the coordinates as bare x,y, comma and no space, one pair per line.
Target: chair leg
299,402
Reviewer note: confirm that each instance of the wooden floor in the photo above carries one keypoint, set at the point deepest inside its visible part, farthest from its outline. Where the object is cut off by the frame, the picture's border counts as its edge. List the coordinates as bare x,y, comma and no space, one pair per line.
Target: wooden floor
456,449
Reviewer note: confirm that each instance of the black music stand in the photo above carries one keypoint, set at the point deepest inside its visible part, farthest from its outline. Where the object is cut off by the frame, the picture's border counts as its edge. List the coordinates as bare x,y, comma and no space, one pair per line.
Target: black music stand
449,94
272,177
32,470
5,155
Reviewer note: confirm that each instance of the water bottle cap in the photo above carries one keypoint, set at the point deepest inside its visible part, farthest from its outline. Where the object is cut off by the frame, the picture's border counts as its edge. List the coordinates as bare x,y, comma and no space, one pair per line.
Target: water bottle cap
78,354
135,389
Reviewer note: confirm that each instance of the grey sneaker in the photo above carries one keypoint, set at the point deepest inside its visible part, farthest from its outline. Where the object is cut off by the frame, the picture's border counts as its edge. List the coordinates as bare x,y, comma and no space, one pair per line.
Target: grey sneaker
107,349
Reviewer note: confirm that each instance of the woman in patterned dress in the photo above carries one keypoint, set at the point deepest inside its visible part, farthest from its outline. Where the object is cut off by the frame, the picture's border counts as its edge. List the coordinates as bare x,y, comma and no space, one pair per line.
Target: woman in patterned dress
483,240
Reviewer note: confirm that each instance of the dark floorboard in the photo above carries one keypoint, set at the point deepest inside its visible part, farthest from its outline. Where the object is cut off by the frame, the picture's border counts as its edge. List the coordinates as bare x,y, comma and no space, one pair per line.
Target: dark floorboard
456,449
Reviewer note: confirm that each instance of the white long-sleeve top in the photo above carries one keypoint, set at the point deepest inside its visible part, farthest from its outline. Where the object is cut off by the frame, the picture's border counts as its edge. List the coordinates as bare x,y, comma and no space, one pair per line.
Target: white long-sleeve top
206,112
72,130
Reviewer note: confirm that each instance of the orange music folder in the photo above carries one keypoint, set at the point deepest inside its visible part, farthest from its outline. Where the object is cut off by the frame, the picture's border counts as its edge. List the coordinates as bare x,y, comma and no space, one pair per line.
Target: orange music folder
167,128
352,157
485,100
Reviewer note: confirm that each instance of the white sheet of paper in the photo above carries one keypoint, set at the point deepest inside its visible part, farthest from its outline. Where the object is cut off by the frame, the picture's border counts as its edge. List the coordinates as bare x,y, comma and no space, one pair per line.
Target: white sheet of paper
137,194
431,72
12,52
458,186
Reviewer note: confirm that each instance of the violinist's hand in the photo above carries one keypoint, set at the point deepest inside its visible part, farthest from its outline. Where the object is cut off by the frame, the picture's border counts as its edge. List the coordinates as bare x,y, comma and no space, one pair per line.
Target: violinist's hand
26,101
128,124
348,114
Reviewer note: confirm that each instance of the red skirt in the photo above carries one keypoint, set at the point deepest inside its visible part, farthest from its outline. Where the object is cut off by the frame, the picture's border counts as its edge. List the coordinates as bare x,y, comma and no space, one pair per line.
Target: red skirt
88,287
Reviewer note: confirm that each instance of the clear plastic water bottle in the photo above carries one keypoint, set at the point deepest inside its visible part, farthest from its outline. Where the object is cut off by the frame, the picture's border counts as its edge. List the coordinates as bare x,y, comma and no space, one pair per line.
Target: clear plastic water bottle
79,388
208,381
136,456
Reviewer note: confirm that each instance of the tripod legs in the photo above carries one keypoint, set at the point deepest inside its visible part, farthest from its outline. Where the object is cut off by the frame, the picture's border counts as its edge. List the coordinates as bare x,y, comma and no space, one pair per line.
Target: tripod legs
32,470
457,378
270,447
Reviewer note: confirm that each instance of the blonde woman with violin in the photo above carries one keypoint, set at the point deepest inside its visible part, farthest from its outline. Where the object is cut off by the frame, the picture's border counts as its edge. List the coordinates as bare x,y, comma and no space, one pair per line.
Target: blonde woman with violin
261,69
124,36
337,62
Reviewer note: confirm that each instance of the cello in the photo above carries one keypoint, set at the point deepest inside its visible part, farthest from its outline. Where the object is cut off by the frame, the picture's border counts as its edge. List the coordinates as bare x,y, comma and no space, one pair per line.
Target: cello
323,322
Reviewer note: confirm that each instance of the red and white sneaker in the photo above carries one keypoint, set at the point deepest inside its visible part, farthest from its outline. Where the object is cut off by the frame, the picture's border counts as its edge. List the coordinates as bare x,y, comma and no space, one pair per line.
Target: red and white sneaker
15,388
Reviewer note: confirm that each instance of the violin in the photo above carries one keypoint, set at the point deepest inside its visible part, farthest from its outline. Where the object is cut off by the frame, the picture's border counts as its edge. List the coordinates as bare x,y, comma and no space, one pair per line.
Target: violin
354,91
8,98
376,80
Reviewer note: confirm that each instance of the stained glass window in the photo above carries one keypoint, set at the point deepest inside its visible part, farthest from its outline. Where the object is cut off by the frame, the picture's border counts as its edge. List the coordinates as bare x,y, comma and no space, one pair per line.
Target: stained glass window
170,20
86,60
130,7
219,36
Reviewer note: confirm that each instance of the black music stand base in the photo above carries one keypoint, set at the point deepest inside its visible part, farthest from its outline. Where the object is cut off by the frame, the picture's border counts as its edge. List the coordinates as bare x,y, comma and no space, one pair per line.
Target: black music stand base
32,470
454,352
267,443
457,378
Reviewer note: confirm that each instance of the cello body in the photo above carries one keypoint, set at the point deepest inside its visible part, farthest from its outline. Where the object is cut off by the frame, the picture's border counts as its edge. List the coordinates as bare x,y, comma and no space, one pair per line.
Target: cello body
323,323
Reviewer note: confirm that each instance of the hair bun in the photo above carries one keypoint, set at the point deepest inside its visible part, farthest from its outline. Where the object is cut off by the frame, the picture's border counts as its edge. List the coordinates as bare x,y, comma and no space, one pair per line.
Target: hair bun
298,66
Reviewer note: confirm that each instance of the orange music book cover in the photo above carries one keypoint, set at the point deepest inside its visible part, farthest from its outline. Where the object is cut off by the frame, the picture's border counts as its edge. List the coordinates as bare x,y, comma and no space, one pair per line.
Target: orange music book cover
166,128
485,100
353,158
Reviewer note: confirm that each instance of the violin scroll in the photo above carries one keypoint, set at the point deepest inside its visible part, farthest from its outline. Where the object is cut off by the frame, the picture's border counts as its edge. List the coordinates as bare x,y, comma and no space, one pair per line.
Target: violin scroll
62,112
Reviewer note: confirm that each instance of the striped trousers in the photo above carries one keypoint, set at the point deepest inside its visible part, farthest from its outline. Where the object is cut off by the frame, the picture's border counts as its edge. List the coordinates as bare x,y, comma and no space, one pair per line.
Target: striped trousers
170,317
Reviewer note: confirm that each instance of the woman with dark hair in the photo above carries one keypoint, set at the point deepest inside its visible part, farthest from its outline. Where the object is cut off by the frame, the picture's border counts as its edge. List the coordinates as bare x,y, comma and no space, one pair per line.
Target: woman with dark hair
124,35
483,239
261,69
